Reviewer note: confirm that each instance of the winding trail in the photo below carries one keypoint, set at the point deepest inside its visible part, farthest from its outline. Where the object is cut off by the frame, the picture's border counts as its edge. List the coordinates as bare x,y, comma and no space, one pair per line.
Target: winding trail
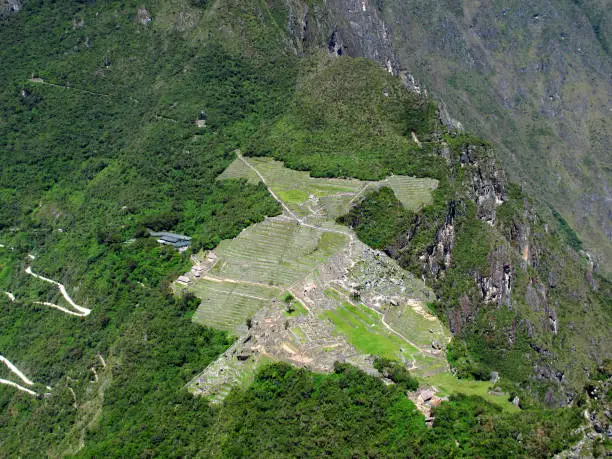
16,370
17,386
21,376
82,311
85,91
60,308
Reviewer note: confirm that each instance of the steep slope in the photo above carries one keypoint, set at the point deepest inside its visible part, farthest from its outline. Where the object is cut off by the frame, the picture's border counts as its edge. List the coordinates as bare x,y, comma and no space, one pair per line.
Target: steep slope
534,79
507,280
119,116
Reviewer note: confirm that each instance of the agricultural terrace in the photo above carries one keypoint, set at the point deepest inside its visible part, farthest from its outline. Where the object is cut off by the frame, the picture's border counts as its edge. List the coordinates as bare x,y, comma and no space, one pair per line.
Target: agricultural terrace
276,252
326,199
285,286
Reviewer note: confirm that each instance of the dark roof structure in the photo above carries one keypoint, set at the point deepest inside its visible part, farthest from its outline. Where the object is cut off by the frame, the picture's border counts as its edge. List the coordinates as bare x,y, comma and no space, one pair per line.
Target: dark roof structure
175,240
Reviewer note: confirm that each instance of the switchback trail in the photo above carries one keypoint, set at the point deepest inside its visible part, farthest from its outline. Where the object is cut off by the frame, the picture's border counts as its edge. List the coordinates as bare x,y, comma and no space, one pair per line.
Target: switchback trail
82,311
19,374
17,386
16,370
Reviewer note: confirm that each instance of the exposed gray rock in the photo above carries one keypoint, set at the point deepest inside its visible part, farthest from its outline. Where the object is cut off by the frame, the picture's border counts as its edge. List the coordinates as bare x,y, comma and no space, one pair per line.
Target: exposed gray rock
8,7
142,16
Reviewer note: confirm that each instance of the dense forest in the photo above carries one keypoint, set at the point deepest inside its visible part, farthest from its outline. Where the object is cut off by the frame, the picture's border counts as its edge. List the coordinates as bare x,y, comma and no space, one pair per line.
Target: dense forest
99,142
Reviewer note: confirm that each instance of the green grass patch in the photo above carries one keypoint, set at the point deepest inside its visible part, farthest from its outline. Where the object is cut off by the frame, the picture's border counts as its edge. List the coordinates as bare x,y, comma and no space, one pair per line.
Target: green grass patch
366,335
292,196
297,331
449,384
294,309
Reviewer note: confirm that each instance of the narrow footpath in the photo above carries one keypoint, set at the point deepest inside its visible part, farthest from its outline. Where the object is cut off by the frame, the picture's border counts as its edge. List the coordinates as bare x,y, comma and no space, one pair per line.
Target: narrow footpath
82,311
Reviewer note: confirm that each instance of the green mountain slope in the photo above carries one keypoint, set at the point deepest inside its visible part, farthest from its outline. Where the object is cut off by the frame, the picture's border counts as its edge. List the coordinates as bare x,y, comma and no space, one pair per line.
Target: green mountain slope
119,116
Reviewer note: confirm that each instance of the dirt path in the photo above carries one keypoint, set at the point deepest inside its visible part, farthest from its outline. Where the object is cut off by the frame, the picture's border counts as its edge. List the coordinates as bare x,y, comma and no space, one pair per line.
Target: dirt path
82,311
245,295
261,177
41,81
17,386
60,308
16,370
365,187
21,376
289,212
234,281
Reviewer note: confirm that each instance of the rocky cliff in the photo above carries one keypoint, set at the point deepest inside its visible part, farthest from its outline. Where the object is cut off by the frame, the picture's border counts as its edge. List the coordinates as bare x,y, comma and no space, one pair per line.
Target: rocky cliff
531,77
507,281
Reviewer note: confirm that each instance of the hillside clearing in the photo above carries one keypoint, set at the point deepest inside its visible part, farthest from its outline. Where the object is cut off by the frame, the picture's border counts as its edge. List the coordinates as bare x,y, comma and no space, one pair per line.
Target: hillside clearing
306,252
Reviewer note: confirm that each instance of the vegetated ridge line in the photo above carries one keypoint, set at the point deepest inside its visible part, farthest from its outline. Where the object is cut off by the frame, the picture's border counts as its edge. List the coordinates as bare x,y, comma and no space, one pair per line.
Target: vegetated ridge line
82,311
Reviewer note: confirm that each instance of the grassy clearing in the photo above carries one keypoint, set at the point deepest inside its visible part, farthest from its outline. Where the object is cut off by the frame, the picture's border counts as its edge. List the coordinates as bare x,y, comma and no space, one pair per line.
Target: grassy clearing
366,332
292,196
296,189
449,384
333,196
282,178
298,309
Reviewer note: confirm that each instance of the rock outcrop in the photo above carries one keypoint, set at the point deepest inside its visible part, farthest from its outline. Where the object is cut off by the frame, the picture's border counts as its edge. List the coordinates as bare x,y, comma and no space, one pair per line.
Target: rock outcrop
8,7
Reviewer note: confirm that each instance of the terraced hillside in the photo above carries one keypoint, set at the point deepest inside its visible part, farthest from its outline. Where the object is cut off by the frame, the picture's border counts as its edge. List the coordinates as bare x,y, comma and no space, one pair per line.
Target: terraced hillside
323,199
278,251
301,289
119,116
